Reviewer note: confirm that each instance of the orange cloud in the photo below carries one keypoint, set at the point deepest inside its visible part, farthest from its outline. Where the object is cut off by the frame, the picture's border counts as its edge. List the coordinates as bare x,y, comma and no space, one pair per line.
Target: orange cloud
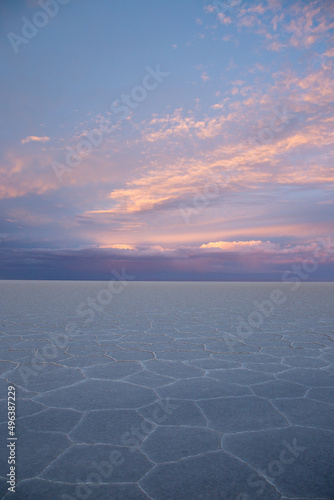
34,138
231,245
118,247
178,126
22,174
308,25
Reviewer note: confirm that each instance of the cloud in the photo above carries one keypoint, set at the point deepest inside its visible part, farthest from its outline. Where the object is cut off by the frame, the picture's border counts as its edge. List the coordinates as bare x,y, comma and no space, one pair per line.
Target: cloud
152,263
295,24
329,52
204,76
118,247
165,183
258,246
21,174
34,138
236,245
224,19
176,125
309,24
275,46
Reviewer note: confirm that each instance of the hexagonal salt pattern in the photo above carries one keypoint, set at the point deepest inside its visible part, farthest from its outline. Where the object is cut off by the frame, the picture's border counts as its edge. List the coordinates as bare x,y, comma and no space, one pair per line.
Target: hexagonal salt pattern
167,394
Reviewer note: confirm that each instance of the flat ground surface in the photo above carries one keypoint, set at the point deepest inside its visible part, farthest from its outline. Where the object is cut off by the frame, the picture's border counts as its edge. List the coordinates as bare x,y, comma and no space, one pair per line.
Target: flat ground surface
168,390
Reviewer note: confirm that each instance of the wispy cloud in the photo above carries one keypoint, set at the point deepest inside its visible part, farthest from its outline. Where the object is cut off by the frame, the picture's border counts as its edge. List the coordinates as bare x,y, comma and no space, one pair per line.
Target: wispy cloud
34,138
249,99
237,245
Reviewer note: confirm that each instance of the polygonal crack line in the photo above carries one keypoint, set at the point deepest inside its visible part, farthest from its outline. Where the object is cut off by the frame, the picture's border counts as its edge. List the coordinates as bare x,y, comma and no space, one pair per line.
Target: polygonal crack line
18,361
279,411
255,471
49,432
253,393
63,387
248,386
157,387
45,363
143,477
28,351
145,454
123,379
312,427
304,498
21,388
33,414
244,367
281,380
119,380
293,382
206,375
142,368
203,415
254,431
77,411
190,362
306,396
324,359
145,347
191,340
52,342
182,459
55,481
7,373
323,349
145,492
328,368
26,341
224,397
80,370
186,363
55,459
143,407
111,343
324,368
148,420
98,353
106,362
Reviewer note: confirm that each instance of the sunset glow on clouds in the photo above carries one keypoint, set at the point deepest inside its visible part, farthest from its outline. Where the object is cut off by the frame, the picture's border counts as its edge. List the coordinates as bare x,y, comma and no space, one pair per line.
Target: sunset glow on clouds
171,139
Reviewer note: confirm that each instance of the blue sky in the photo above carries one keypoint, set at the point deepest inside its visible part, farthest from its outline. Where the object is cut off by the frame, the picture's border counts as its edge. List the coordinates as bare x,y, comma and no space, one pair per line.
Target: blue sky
222,166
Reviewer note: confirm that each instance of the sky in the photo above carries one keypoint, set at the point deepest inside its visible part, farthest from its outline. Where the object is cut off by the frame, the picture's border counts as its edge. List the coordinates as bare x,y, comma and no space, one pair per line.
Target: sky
179,140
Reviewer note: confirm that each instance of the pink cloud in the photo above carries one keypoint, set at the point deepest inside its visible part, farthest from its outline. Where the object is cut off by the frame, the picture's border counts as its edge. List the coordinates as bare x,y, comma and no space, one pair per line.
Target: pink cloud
34,138
239,245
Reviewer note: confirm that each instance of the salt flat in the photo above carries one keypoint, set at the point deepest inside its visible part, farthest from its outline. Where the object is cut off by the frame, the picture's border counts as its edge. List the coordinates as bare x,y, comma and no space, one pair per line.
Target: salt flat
169,390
